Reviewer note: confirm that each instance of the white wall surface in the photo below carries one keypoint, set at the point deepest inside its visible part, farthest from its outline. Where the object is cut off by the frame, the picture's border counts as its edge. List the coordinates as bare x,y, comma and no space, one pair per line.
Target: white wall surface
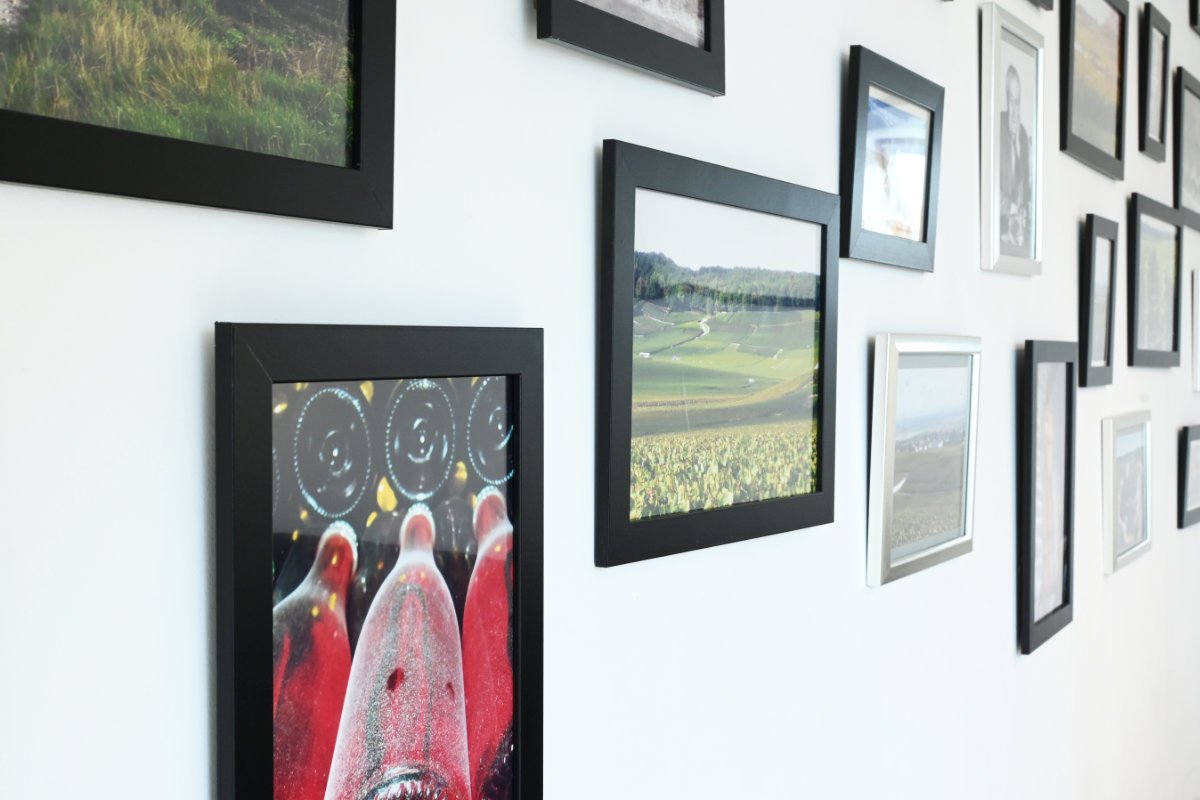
765,669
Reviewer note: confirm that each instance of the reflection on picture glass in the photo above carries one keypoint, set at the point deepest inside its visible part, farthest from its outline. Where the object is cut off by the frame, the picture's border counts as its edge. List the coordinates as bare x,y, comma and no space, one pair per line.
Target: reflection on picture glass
1190,167
1096,64
897,156
1016,147
1102,275
1156,285
1050,489
933,413
1193,486
1158,76
392,565
1129,488
679,19
725,377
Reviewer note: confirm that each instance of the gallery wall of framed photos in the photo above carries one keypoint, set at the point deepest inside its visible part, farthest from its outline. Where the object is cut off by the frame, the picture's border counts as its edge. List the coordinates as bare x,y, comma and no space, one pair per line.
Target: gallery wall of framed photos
771,651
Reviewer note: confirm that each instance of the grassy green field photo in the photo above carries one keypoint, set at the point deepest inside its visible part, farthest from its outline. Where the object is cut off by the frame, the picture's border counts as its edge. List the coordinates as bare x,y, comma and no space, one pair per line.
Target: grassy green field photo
265,76
1097,74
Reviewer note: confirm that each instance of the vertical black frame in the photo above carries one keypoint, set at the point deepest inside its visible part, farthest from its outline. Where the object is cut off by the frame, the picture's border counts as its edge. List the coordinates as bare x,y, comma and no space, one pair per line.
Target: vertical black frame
1140,205
92,158
588,28
626,168
868,68
1096,227
1185,83
249,360
1187,435
1194,14
1032,633
1094,157
1153,20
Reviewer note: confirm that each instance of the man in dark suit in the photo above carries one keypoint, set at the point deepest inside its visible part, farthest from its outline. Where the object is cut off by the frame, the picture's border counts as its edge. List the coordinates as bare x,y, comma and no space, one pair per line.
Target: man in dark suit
1016,176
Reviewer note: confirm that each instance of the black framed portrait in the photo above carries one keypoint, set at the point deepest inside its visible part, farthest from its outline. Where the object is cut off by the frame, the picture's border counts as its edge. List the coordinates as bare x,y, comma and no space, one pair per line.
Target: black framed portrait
1187,147
891,162
1045,543
280,108
683,40
1154,81
1155,285
1094,43
1097,300
716,370
1189,476
379,531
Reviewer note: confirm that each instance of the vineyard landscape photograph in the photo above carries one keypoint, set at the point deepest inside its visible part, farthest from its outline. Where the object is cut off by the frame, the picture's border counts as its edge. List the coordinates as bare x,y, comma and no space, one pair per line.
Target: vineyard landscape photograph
725,356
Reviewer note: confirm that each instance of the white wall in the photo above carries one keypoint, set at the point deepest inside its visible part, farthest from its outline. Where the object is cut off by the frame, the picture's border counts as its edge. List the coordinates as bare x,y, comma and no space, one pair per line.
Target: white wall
764,669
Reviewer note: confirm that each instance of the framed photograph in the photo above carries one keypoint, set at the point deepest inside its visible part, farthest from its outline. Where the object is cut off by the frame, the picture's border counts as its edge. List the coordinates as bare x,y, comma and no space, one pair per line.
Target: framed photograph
1011,126
683,40
1097,301
1094,36
1189,476
379,529
1126,497
1046,540
1155,271
891,159
924,415
1154,78
717,364
1187,147
286,109
1196,331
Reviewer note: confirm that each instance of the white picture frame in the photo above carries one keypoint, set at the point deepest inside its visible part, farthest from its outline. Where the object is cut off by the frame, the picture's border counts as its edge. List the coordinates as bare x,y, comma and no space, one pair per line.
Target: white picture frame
1118,491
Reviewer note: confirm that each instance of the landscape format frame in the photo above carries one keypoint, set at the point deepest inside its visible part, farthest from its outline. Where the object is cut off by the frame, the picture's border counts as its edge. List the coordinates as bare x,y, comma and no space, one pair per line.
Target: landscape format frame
1012,233
902,96
1097,315
267,372
630,171
1127,488
1187,147
1046,551
1147,299
1189,476
1154,77
1086,87
929,355
93,158
585,26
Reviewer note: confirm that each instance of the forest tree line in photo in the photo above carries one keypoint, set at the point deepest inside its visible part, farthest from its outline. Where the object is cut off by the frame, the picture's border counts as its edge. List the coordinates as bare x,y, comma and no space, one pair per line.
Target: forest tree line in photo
708,289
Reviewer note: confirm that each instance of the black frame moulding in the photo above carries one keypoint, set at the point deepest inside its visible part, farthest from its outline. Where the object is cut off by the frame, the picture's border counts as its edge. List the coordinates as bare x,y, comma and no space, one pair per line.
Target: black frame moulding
1187,436
1139,204
1185,83
1096,227
628,167
1106,163
1153,20
73,155
249,360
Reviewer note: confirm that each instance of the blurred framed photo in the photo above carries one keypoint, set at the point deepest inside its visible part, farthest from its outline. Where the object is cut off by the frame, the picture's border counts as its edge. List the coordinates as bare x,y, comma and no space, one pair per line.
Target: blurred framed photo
924,418
1189,476
379,561
1095,34
1097,300
1187,147
1196,331
1011,133
891,159
1154,81
683,40
1046,539
1155,285
717,362
1126,455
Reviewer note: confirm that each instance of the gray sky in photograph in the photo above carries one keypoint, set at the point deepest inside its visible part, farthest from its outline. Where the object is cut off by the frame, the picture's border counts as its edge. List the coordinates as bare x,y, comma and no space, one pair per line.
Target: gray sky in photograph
696,233
929,386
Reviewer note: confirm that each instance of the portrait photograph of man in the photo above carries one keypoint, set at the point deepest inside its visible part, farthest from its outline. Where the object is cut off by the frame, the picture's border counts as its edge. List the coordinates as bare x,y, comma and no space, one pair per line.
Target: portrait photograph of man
1016,146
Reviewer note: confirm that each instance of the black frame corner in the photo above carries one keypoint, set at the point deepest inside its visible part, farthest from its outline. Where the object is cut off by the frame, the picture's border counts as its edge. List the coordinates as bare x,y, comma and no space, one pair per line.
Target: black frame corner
1070,143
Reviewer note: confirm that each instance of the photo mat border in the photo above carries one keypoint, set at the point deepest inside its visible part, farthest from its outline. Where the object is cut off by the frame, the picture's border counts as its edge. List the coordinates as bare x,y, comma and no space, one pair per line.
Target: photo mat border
1096,227
1140,205
1084,151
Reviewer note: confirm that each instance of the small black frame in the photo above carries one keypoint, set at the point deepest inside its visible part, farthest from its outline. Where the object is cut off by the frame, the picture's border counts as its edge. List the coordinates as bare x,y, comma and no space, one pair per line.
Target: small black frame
868,68
1185,84
249,360
1033,633
1140,205
626,168
1153,20
1096,227
1106,163
580,25
1187,436
93,158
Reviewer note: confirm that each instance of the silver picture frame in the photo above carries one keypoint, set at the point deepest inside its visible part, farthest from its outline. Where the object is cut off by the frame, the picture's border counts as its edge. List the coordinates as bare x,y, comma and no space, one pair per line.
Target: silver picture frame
996,22
882,565
1115,556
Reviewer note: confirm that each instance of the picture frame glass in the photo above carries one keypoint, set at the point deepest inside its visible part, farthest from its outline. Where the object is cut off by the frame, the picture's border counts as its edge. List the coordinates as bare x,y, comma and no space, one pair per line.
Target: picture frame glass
1130,478
1157,68
1097,63
1157,258
682,20
725,372
1017,137
1193,476
1050,464
1189,166
1101,300
896,173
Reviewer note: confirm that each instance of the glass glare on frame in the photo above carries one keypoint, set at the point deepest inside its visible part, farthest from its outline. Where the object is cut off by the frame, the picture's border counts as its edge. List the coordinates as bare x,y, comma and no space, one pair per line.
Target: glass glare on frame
1049,501
1130,523
1102,294
1190,152
680,19
1156,284
1193,478
897,164
1158,75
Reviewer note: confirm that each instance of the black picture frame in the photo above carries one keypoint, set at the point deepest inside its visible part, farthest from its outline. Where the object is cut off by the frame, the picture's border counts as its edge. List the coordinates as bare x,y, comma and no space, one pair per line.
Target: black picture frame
868,68
626,168
92,158
1153,21
1187,436
1140,205
1096,227
1185,84
1070,142
1194,14
1033,632
250,360
585,27
1046,4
